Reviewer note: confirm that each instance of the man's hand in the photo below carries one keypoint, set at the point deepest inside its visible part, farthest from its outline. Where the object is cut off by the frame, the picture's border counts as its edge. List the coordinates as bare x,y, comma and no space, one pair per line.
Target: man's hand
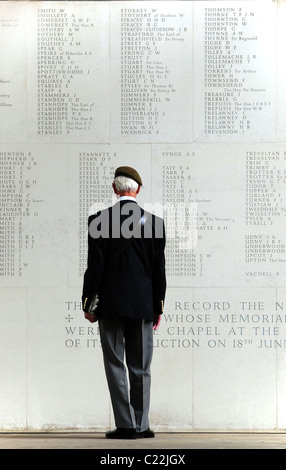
156,321
91,318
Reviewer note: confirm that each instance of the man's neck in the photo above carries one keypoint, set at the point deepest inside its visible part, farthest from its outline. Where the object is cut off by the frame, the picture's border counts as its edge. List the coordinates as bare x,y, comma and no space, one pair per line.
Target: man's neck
127,198
127,194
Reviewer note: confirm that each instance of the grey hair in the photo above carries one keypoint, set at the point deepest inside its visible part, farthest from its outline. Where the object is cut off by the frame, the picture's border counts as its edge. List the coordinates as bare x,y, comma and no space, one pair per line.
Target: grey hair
122,183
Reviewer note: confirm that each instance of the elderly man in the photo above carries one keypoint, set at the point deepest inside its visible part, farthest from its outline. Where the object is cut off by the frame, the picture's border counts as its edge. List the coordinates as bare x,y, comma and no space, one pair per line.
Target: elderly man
126,274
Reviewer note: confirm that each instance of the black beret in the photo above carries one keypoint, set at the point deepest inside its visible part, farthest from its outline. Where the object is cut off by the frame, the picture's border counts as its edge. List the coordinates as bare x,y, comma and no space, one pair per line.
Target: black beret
129,173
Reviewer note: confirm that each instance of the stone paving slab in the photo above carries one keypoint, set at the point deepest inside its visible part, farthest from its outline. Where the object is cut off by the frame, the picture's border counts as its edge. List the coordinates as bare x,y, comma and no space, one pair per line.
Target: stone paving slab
161,441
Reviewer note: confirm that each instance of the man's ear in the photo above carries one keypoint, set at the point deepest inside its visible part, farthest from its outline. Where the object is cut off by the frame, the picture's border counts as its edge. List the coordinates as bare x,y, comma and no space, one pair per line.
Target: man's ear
114,188
139,187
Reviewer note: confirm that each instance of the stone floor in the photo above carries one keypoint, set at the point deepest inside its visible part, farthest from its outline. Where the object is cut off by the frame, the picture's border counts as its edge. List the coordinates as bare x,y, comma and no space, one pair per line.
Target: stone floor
161,441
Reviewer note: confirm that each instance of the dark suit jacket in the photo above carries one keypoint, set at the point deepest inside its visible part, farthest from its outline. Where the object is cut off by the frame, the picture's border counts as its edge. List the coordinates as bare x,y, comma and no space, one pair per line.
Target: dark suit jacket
128,276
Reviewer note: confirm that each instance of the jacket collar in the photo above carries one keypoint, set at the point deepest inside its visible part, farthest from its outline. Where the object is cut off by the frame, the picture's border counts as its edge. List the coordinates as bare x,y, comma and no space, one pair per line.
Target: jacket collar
127,198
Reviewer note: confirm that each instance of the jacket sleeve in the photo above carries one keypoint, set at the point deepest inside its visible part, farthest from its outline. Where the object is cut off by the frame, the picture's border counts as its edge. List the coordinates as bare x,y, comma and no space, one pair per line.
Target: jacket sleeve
95,267
159,274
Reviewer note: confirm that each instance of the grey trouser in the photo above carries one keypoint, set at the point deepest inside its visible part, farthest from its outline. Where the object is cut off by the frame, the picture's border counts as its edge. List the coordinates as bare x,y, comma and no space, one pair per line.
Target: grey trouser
134,337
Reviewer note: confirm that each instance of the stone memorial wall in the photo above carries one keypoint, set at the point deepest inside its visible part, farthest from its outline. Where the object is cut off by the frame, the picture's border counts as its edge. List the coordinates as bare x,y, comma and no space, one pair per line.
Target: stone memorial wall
192,94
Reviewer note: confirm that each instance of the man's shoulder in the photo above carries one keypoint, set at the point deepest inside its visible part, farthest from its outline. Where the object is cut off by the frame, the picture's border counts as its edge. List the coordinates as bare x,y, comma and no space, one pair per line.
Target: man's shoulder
154,217
101,213
153,225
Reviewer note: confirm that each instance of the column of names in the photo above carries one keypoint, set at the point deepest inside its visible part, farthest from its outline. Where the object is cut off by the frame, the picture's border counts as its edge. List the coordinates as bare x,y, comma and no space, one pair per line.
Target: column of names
237,87
17,183
147,52
265,208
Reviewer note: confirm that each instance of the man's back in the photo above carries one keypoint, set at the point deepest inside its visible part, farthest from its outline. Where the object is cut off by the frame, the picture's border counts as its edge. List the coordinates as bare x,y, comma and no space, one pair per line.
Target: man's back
126,261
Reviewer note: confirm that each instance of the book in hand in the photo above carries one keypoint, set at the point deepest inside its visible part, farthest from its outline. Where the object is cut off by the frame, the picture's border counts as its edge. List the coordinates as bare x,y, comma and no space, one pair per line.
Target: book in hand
93,305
